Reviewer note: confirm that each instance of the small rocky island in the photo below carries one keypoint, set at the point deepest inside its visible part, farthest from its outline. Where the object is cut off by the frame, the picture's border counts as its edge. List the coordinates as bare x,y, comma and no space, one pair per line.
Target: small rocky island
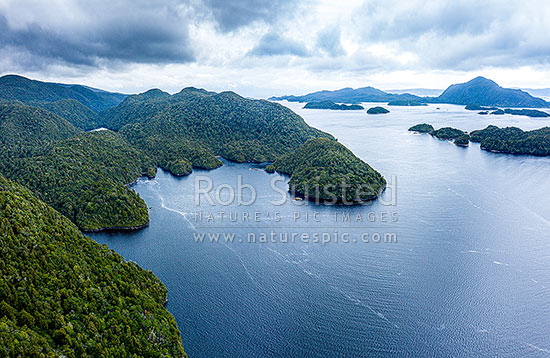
377,110
333,106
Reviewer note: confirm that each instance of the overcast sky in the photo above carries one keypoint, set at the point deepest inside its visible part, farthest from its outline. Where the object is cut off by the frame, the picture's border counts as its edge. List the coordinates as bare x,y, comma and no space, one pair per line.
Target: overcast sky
270,47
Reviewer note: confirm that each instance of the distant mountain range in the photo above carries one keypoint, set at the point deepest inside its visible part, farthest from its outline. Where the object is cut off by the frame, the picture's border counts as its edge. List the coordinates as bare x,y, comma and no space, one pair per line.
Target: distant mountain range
480,91
14,87
417,91
349,95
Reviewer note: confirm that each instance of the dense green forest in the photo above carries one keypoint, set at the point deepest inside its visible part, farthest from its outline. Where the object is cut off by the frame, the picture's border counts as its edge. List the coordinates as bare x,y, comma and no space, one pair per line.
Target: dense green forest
323,169
74,112
422,128
462,141
83,177
63,295
13,87
195,125
513,140
24,128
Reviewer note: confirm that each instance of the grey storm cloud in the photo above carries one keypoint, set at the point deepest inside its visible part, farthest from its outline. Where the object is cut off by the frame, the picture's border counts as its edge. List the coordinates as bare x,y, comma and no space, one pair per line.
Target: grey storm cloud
99,32
451,34
232,14
107,32
272,44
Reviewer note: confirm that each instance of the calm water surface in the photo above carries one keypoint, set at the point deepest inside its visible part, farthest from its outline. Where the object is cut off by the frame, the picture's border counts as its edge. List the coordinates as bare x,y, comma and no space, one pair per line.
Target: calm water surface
468,275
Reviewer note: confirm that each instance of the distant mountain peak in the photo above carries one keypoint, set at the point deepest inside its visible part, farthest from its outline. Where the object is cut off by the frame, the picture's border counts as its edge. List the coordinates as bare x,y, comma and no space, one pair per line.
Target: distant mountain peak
480,80
485,92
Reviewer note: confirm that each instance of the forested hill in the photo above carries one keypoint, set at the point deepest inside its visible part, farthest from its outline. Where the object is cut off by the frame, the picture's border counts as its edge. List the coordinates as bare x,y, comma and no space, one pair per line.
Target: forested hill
23,128
484,92
13,87
80,174
74,112
84,178
63,295
194,125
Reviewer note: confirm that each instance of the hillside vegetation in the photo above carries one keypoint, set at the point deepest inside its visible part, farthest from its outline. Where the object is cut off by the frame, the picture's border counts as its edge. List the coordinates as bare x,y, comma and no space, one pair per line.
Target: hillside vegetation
24,128
323,169
63,295
83,177
74,112
195,126
13,87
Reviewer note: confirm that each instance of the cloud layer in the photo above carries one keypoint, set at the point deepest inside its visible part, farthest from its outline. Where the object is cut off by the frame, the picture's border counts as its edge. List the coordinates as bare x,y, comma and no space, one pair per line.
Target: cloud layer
287,43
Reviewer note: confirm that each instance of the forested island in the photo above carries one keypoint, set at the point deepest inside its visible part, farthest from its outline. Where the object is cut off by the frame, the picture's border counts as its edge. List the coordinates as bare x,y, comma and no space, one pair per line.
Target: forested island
511,140
422,128
516,112
377,110
447,133
333,106
325,170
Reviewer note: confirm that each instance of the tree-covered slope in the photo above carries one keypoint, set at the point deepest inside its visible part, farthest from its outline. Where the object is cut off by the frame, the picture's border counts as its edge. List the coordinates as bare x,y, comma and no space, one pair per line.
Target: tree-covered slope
63,295
74,112
23,128
84,178
323,169
195,125
484,92
13,87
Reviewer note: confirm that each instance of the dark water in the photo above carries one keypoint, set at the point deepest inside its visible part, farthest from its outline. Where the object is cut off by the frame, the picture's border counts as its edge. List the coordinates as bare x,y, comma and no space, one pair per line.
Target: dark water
468,276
